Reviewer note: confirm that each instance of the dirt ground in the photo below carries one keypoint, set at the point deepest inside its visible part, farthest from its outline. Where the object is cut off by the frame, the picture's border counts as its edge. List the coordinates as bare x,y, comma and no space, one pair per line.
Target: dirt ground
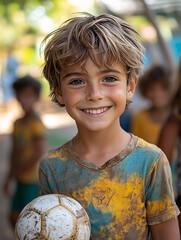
60,128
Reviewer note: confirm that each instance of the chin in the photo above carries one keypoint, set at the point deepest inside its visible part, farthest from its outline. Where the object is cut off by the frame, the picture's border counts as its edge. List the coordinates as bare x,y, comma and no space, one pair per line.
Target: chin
98,127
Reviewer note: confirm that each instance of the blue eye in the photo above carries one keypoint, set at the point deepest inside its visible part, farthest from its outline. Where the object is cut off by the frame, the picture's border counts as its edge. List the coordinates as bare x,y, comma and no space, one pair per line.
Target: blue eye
76,82
109,79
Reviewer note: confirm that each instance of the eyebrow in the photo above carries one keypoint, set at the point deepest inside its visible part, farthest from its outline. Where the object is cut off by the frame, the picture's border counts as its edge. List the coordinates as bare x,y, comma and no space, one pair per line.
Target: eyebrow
83,74
73,74
110,70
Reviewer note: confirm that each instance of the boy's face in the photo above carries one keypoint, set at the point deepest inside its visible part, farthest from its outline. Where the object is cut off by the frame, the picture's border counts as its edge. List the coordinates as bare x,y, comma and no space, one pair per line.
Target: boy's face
95,96
158,94
27,97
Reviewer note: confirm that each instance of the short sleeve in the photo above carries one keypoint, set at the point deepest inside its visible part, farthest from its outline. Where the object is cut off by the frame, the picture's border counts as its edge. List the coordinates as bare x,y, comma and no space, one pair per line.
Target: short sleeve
160,202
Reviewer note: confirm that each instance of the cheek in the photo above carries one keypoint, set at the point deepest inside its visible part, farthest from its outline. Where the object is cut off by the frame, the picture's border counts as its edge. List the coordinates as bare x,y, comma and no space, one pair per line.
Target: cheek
71,97
118,93
119,97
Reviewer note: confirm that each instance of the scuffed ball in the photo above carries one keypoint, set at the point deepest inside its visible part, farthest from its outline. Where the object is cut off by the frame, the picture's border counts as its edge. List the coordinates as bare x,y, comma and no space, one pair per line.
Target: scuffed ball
53,217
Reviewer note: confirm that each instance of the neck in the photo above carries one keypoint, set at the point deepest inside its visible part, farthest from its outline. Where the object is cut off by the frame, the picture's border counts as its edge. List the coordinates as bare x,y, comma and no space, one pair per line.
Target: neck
100,146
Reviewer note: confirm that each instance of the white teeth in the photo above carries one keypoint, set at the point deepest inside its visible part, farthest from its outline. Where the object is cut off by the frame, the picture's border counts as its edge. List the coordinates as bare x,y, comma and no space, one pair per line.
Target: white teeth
95,111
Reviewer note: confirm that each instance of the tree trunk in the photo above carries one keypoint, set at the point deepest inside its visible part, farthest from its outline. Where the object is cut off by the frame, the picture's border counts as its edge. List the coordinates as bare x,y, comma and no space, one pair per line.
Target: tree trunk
166,53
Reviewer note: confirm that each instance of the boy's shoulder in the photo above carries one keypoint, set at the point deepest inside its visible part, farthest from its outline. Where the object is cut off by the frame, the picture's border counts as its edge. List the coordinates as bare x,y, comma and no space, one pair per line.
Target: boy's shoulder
60,153
148,153
143,145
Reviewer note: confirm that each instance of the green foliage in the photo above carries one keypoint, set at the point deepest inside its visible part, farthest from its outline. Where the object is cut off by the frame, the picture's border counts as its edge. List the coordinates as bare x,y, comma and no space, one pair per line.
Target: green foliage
137,21
22,17
45,86
22,3
24,24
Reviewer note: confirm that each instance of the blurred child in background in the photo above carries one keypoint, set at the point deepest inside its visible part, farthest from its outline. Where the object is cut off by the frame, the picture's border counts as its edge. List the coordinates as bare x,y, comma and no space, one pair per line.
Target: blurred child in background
154,85
28,145
170,137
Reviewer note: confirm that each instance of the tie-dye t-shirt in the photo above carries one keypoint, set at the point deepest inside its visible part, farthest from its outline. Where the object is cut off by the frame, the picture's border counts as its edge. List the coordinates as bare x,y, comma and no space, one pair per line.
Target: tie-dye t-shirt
124,196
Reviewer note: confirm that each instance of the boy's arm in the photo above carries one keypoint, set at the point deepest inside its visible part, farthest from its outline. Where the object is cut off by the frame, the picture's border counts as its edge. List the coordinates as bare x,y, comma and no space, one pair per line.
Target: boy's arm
162,211
167,230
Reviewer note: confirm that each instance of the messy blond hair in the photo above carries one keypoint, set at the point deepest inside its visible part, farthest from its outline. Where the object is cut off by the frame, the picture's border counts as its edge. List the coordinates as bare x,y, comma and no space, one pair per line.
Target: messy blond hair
80,37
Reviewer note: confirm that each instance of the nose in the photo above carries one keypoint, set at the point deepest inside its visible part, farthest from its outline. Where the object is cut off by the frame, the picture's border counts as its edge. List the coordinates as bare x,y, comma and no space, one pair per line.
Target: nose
93,92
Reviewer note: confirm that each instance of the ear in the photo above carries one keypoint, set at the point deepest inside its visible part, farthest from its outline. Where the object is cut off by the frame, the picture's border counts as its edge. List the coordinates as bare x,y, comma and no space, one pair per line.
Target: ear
131,89
59,96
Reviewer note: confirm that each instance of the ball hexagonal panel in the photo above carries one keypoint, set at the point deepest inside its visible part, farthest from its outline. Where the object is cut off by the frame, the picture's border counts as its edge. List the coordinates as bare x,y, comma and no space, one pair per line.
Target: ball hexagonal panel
59,223
28,225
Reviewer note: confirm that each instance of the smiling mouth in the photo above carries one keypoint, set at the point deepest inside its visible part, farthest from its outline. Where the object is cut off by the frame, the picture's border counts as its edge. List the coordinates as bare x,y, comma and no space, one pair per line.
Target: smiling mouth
95,111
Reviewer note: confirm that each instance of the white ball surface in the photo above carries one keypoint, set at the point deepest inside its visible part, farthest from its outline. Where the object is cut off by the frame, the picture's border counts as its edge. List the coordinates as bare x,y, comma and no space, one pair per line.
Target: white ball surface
53,217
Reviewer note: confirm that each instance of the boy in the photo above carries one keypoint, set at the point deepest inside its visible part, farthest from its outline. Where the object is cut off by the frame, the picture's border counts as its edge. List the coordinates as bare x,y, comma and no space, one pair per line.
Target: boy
28,145
155,86
123,182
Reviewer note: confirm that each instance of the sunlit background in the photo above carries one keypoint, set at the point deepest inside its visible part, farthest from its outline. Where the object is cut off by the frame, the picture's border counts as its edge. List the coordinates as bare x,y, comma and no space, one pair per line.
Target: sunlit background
24,24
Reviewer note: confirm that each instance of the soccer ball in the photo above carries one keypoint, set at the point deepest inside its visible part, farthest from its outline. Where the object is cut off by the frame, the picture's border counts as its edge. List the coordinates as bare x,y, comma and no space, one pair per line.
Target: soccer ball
53,217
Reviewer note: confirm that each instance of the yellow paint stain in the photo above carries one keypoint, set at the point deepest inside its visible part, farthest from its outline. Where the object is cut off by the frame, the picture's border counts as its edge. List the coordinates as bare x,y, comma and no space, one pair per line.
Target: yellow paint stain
61,154
144,144
124,201
156,207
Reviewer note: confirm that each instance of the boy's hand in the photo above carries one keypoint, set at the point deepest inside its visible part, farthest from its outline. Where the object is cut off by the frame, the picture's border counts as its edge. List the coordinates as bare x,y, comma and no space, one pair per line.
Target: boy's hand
168,230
